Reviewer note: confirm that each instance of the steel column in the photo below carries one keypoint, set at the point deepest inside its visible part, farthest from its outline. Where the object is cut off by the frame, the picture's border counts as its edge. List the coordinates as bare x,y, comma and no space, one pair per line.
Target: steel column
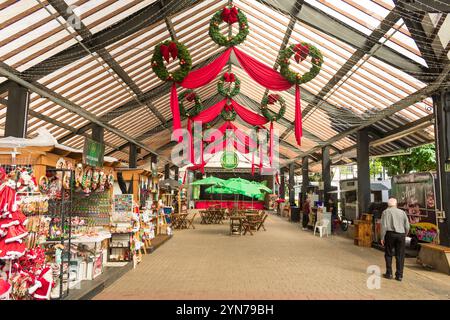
362,153
98,133
17,111
132,163
167,171
442,134
292,184
305,179
326,174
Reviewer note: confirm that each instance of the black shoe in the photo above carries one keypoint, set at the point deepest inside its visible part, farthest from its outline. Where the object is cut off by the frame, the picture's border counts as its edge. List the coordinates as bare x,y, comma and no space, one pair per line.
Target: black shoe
398,278
387,276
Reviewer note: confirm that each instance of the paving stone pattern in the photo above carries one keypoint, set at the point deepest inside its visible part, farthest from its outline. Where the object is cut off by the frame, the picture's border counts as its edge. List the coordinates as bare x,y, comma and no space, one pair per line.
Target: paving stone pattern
283,262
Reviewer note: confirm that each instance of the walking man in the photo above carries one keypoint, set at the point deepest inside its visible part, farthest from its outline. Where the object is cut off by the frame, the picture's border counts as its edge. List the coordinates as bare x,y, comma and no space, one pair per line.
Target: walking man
394,228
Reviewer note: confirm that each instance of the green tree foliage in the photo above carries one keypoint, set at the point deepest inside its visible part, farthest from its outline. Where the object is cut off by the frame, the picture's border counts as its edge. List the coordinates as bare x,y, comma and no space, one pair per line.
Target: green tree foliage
376,167
421,159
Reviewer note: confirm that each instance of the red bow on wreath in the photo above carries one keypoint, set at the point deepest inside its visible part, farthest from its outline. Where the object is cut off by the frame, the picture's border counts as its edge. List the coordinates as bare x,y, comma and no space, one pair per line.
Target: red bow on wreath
168,51
229,77
301,52
272,98
229,15
190,96
228,107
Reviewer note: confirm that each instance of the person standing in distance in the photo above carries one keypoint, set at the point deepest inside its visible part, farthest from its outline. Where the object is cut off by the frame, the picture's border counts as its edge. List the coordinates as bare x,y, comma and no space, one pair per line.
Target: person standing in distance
394,228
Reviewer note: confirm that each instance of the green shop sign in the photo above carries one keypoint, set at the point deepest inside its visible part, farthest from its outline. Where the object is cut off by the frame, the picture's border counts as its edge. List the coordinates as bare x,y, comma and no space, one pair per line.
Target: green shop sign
93,153
229,160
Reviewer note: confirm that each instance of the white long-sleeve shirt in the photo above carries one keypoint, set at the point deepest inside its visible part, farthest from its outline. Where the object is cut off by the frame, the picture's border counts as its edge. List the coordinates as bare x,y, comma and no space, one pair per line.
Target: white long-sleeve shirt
394,219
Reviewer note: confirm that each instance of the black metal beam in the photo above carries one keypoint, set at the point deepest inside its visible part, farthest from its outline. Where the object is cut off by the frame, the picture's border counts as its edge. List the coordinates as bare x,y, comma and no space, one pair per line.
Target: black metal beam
326,174
427,6
335,28
370,43
63,10
305,179
98,133
442,134
292,184
132,162
17,111
363,172
140,19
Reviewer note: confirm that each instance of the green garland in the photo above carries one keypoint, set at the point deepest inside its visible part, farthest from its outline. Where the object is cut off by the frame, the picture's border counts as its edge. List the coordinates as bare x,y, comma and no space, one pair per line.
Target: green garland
185,63
268,114
219,38
229,93
297,78
228,115
195,110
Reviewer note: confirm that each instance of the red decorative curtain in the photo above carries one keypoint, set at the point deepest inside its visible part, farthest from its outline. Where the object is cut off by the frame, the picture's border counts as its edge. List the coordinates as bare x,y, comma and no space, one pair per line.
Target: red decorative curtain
248,116
261,73
211,113
206,74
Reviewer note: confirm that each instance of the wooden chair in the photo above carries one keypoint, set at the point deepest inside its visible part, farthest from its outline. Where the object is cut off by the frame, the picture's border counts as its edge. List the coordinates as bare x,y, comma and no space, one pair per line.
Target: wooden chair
250,223
261,223
190,221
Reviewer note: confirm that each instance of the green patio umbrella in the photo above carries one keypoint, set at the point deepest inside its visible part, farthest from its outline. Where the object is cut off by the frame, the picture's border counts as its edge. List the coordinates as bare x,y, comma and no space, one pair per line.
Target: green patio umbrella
261,186
208,181
219,190
242,186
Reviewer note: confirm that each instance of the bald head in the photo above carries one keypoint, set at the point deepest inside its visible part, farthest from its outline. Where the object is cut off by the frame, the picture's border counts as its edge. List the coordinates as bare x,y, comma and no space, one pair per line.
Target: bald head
392,203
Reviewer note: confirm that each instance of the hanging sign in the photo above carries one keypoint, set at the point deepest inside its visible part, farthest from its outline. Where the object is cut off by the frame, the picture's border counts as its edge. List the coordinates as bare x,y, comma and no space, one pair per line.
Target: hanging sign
229,160
93,153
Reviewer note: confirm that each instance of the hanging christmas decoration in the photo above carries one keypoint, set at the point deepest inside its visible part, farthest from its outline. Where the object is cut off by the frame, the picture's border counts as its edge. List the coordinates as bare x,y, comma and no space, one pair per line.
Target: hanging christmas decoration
228,113
229,15
190,95
301,51
165,52
231,91
272,99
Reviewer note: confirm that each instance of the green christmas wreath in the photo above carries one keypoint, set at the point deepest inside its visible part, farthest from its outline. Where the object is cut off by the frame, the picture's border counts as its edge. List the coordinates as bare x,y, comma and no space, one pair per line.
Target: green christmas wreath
229,15
301,51
230,78
228,113
171,49
190,95
271,99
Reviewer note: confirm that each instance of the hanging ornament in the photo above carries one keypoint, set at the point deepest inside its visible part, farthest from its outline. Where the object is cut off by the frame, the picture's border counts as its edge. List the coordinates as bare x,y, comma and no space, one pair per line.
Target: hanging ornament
232,91
171,50
228,15
228,113
272,99
301,51
229,160
190,96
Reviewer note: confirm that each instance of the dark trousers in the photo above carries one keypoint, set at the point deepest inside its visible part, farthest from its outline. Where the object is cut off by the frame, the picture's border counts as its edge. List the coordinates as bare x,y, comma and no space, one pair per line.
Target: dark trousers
394,241
305,219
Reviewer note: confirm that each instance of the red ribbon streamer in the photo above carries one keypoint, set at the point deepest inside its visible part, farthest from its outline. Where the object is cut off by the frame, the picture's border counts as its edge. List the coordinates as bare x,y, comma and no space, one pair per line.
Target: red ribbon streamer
298,116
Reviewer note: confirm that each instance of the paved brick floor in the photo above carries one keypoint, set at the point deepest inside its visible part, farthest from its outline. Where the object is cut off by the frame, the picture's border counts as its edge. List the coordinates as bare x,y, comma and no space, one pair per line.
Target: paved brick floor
282,263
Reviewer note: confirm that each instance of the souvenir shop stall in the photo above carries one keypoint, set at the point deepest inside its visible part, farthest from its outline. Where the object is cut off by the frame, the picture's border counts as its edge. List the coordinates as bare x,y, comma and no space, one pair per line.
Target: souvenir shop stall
61,223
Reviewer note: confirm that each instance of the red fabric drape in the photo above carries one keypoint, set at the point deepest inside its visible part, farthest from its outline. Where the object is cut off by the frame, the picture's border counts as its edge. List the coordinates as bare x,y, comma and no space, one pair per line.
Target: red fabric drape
262,74
175,108
206,74
211,113
298,116
247,115
244,138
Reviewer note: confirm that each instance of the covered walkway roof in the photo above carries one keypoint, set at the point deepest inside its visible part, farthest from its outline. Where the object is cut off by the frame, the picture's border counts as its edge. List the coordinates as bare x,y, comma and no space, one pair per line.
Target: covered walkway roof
383,60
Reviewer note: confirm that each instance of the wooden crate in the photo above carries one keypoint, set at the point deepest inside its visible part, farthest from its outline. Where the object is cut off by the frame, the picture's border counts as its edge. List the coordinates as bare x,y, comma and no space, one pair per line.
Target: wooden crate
363,233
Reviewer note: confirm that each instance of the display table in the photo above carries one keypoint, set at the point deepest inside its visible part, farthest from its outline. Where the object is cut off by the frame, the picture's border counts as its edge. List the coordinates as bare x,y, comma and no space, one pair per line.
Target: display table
205,204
